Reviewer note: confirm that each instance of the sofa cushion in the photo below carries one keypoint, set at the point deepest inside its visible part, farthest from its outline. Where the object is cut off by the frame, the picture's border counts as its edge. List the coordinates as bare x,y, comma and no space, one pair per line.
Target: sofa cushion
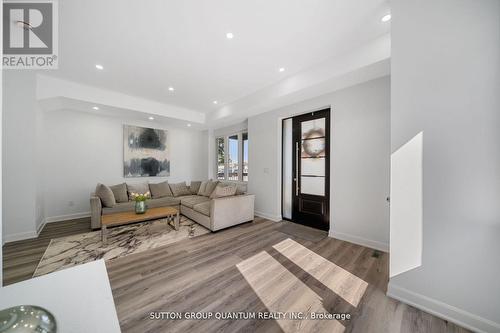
194,187
192,200
179,189
203,208
120,192
160,190
139,188
151,203
106,195
223,190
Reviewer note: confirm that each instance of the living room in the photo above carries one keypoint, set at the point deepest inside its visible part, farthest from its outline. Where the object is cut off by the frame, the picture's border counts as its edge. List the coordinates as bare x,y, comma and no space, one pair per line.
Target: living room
251,166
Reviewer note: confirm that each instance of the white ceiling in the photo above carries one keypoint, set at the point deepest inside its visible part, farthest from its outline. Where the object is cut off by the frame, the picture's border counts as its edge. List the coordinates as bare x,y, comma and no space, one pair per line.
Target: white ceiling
147,46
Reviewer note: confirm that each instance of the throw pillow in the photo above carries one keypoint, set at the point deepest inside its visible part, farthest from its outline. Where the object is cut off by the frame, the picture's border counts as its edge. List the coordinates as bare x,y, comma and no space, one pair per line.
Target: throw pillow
179,189
241,187
120,192
160,190
140,188
106,195
194,187
210,187
203,187
222,191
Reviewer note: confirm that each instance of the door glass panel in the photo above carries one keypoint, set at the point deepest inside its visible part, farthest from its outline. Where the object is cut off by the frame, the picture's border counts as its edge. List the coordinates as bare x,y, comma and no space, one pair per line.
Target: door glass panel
313,166
233,158
312,185
313,157
288,151
313,128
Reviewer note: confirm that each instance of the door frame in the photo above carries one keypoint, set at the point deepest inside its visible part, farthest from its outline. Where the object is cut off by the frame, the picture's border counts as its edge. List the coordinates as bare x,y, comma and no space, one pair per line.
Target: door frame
327,161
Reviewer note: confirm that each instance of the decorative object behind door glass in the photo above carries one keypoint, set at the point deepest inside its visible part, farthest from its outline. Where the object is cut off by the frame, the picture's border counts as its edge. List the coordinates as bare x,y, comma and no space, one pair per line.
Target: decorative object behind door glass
145,152
313,156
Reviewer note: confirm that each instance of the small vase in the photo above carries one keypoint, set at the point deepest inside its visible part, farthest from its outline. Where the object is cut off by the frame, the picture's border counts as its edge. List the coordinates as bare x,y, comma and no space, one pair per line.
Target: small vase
140,207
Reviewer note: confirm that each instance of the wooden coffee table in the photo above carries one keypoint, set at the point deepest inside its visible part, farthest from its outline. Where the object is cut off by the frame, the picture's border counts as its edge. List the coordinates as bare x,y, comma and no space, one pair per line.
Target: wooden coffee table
115,219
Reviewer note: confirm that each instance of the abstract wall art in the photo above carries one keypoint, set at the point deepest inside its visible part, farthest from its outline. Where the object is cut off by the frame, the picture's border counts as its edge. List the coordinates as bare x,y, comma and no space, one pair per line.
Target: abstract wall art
145,152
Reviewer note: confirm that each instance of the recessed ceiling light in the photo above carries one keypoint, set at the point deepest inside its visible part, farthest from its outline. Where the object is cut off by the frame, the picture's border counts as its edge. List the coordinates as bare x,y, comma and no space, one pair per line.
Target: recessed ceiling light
188,125
171,89
215,102
282,69
386,18
229,35
99,67
151,118
95,107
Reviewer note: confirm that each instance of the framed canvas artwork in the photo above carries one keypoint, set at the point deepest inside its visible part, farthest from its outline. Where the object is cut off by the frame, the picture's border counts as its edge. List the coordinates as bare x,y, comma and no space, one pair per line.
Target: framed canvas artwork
145,152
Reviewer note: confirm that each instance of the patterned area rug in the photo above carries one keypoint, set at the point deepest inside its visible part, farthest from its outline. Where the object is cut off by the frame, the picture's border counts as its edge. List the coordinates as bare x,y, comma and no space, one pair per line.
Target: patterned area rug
74,250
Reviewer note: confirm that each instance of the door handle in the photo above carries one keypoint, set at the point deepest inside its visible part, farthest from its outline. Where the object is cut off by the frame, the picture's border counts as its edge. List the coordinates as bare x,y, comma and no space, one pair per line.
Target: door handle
296,168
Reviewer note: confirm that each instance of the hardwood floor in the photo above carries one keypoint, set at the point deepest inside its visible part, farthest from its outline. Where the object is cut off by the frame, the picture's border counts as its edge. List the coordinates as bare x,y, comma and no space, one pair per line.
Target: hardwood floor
21,258
256,267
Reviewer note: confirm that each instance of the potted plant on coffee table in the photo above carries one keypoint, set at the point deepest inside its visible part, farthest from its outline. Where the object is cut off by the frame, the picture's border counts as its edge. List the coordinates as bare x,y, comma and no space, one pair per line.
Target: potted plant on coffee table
140,202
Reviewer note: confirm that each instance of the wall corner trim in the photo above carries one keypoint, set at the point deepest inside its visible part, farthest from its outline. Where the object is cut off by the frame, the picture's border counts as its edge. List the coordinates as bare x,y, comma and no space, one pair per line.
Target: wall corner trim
448,312
384,247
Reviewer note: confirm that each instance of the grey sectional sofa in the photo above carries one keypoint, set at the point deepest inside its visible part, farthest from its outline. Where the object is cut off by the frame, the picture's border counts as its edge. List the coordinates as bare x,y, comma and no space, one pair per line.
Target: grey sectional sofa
214,213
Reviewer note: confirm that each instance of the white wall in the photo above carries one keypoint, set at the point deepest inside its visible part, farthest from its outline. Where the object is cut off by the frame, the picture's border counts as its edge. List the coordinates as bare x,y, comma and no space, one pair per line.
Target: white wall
1,156
360,157
446,82
81,149
19,155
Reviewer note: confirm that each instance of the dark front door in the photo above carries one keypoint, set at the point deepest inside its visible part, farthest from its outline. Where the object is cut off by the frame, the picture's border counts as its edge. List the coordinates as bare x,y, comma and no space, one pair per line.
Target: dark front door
311,169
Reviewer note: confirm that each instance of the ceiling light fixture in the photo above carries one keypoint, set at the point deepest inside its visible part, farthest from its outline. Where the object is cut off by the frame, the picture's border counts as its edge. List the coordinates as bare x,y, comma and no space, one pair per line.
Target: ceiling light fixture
215,102
95,107
99,67
171,89
282,69
188,125
229,35
151,118
386,18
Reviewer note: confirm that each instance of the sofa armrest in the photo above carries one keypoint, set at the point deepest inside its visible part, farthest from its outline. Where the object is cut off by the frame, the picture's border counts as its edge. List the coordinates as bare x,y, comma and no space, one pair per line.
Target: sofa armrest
229,211
95,212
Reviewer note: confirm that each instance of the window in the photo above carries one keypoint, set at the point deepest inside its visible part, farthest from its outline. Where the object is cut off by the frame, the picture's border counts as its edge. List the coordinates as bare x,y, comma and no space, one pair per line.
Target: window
245,157
221,167
232,157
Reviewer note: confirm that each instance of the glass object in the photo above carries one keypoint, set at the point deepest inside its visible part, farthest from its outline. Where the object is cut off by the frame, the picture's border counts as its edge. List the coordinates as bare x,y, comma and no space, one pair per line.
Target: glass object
313,157
245,157
140,207
220,158
27,318
233,166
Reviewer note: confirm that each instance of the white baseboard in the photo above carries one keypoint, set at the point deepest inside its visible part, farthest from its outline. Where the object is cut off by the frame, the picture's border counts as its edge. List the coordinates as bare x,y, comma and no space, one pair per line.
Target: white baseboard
34,234
275,218
448,312
384,247
59,218
19,236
